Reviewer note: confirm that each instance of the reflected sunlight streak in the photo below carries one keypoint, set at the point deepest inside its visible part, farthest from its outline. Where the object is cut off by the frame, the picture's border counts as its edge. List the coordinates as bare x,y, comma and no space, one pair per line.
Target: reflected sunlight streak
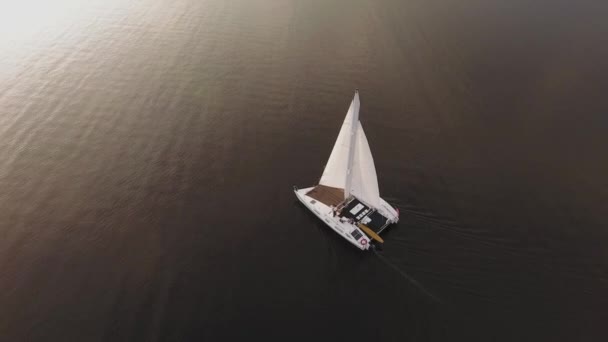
19,20
28,27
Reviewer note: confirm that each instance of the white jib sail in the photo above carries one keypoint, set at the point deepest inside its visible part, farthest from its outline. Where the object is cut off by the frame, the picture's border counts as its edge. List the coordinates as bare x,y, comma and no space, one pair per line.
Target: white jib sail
337,167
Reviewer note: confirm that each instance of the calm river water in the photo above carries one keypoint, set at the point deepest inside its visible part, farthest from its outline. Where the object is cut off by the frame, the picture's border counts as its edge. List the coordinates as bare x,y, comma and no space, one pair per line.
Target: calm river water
148,151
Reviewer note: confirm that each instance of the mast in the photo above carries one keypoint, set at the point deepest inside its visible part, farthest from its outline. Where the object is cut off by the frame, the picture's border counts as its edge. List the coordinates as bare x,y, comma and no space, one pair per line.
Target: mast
353,140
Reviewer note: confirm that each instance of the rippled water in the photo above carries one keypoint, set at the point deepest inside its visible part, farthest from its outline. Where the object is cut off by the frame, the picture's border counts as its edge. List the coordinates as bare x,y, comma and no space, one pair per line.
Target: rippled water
148,149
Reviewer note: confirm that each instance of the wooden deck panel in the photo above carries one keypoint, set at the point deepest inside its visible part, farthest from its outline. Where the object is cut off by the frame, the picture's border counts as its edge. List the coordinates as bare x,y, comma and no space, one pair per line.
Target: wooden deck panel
327,195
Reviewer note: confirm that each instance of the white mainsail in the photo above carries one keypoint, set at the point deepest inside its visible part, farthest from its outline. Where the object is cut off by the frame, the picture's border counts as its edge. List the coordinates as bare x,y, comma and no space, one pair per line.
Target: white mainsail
337,167
351,165
364,183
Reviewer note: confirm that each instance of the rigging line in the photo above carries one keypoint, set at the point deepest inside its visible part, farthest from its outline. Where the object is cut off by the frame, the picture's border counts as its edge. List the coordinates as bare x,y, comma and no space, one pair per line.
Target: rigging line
407,277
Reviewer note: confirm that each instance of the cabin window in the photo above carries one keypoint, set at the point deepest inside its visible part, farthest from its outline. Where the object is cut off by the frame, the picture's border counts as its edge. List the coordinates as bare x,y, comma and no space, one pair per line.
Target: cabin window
313,202
356,234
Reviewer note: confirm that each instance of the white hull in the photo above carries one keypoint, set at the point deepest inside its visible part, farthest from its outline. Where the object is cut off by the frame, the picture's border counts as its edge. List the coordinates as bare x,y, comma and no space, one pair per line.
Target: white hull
344,229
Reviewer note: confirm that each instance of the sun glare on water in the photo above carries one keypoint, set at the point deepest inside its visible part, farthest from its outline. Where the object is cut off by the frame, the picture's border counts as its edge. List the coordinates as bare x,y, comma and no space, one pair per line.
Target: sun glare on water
20,19
28,27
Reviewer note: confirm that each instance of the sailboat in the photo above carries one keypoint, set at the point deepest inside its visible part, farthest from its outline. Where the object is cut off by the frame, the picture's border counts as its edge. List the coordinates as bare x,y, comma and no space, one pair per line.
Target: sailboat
347,197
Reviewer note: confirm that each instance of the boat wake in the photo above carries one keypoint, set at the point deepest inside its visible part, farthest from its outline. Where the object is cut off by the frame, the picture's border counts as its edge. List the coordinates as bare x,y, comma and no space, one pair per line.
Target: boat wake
406,276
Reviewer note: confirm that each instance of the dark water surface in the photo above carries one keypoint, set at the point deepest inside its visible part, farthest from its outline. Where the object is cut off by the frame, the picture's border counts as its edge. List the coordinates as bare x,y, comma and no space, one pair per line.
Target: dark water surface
148,149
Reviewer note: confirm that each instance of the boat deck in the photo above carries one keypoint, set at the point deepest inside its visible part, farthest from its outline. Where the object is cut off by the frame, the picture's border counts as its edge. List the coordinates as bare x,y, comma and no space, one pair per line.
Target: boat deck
361,213
377,222
327,195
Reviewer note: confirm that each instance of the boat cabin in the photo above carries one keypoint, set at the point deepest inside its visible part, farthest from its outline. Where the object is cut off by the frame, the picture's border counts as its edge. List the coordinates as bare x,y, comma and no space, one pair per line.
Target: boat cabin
351,209
359,212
